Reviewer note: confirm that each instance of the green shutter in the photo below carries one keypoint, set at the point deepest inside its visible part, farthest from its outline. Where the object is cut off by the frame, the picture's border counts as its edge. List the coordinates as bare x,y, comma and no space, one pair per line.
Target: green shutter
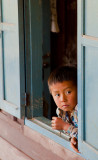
33,41
37,40
12,85
88,77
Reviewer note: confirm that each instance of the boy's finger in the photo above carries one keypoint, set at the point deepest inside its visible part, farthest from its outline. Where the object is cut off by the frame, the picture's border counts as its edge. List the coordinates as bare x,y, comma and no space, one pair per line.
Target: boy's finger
74,148
54,118
53,125
73,140
53,121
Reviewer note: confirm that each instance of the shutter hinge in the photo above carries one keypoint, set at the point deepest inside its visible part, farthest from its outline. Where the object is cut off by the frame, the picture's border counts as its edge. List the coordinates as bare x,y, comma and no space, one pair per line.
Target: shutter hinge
27,99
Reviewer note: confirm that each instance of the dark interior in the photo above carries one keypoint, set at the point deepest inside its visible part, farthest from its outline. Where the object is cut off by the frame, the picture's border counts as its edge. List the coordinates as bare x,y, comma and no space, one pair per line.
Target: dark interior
64,43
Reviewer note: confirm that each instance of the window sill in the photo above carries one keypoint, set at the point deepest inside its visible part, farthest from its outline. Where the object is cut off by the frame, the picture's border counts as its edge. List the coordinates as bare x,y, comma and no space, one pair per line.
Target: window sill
43,126
46,124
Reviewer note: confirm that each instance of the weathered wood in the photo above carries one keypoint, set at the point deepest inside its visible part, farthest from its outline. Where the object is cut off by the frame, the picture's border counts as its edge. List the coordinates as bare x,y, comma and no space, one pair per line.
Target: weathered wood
33,144
51,145
33,55
9,152
25,144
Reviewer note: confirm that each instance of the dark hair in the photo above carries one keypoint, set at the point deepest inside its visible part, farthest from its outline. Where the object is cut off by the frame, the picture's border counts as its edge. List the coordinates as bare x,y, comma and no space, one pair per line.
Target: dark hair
63,73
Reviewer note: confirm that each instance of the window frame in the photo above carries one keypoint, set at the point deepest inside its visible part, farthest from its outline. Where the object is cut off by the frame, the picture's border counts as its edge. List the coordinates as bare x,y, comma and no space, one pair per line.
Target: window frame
33,119
43,128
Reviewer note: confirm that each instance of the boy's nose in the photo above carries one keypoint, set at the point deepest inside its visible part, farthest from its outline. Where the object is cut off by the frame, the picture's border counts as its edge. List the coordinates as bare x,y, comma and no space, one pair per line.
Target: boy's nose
63,97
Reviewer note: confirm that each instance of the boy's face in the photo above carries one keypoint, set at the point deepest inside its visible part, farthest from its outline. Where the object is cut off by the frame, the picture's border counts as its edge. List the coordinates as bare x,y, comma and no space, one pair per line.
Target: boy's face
64,95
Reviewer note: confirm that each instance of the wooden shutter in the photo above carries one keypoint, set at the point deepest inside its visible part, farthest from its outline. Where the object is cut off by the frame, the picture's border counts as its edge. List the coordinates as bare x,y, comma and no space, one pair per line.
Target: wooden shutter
37,40
88,77
12,79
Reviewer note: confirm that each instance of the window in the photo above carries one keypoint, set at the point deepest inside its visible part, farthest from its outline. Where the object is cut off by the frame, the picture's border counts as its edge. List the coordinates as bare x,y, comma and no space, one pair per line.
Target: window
26,71
37,57
38,67
40,60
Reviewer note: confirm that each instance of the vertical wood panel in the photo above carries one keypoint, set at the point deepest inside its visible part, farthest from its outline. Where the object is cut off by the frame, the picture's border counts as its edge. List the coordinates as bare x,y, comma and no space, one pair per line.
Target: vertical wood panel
91,98
87,79
12,58
34,52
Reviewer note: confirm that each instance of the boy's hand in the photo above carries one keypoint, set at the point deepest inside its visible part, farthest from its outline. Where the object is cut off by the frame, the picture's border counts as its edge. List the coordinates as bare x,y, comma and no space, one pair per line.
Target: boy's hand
74,144
58,124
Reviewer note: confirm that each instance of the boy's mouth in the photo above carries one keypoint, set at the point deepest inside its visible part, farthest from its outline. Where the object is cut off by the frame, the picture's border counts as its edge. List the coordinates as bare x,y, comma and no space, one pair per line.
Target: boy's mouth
65,106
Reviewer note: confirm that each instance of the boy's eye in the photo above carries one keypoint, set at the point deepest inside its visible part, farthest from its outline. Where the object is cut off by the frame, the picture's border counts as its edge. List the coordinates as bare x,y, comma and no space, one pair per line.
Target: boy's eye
68,92
57,95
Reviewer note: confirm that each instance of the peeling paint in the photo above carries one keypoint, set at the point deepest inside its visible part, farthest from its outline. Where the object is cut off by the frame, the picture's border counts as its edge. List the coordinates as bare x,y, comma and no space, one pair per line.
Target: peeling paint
38,103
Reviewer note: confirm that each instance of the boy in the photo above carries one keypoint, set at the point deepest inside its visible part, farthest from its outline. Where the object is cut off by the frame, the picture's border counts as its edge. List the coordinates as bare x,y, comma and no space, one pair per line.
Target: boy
62,84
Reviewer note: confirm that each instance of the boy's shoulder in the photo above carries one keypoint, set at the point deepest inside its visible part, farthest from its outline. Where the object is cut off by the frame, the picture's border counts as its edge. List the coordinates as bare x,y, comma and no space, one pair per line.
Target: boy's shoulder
75,111
61,113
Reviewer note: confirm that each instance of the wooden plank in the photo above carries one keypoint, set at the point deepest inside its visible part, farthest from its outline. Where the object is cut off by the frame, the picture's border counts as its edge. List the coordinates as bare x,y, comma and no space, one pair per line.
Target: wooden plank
32,143
51,145
9,152
17,138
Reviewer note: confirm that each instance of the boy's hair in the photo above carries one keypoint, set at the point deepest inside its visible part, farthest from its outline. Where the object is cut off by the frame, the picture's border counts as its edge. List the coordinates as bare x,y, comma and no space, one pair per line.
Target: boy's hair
63,73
